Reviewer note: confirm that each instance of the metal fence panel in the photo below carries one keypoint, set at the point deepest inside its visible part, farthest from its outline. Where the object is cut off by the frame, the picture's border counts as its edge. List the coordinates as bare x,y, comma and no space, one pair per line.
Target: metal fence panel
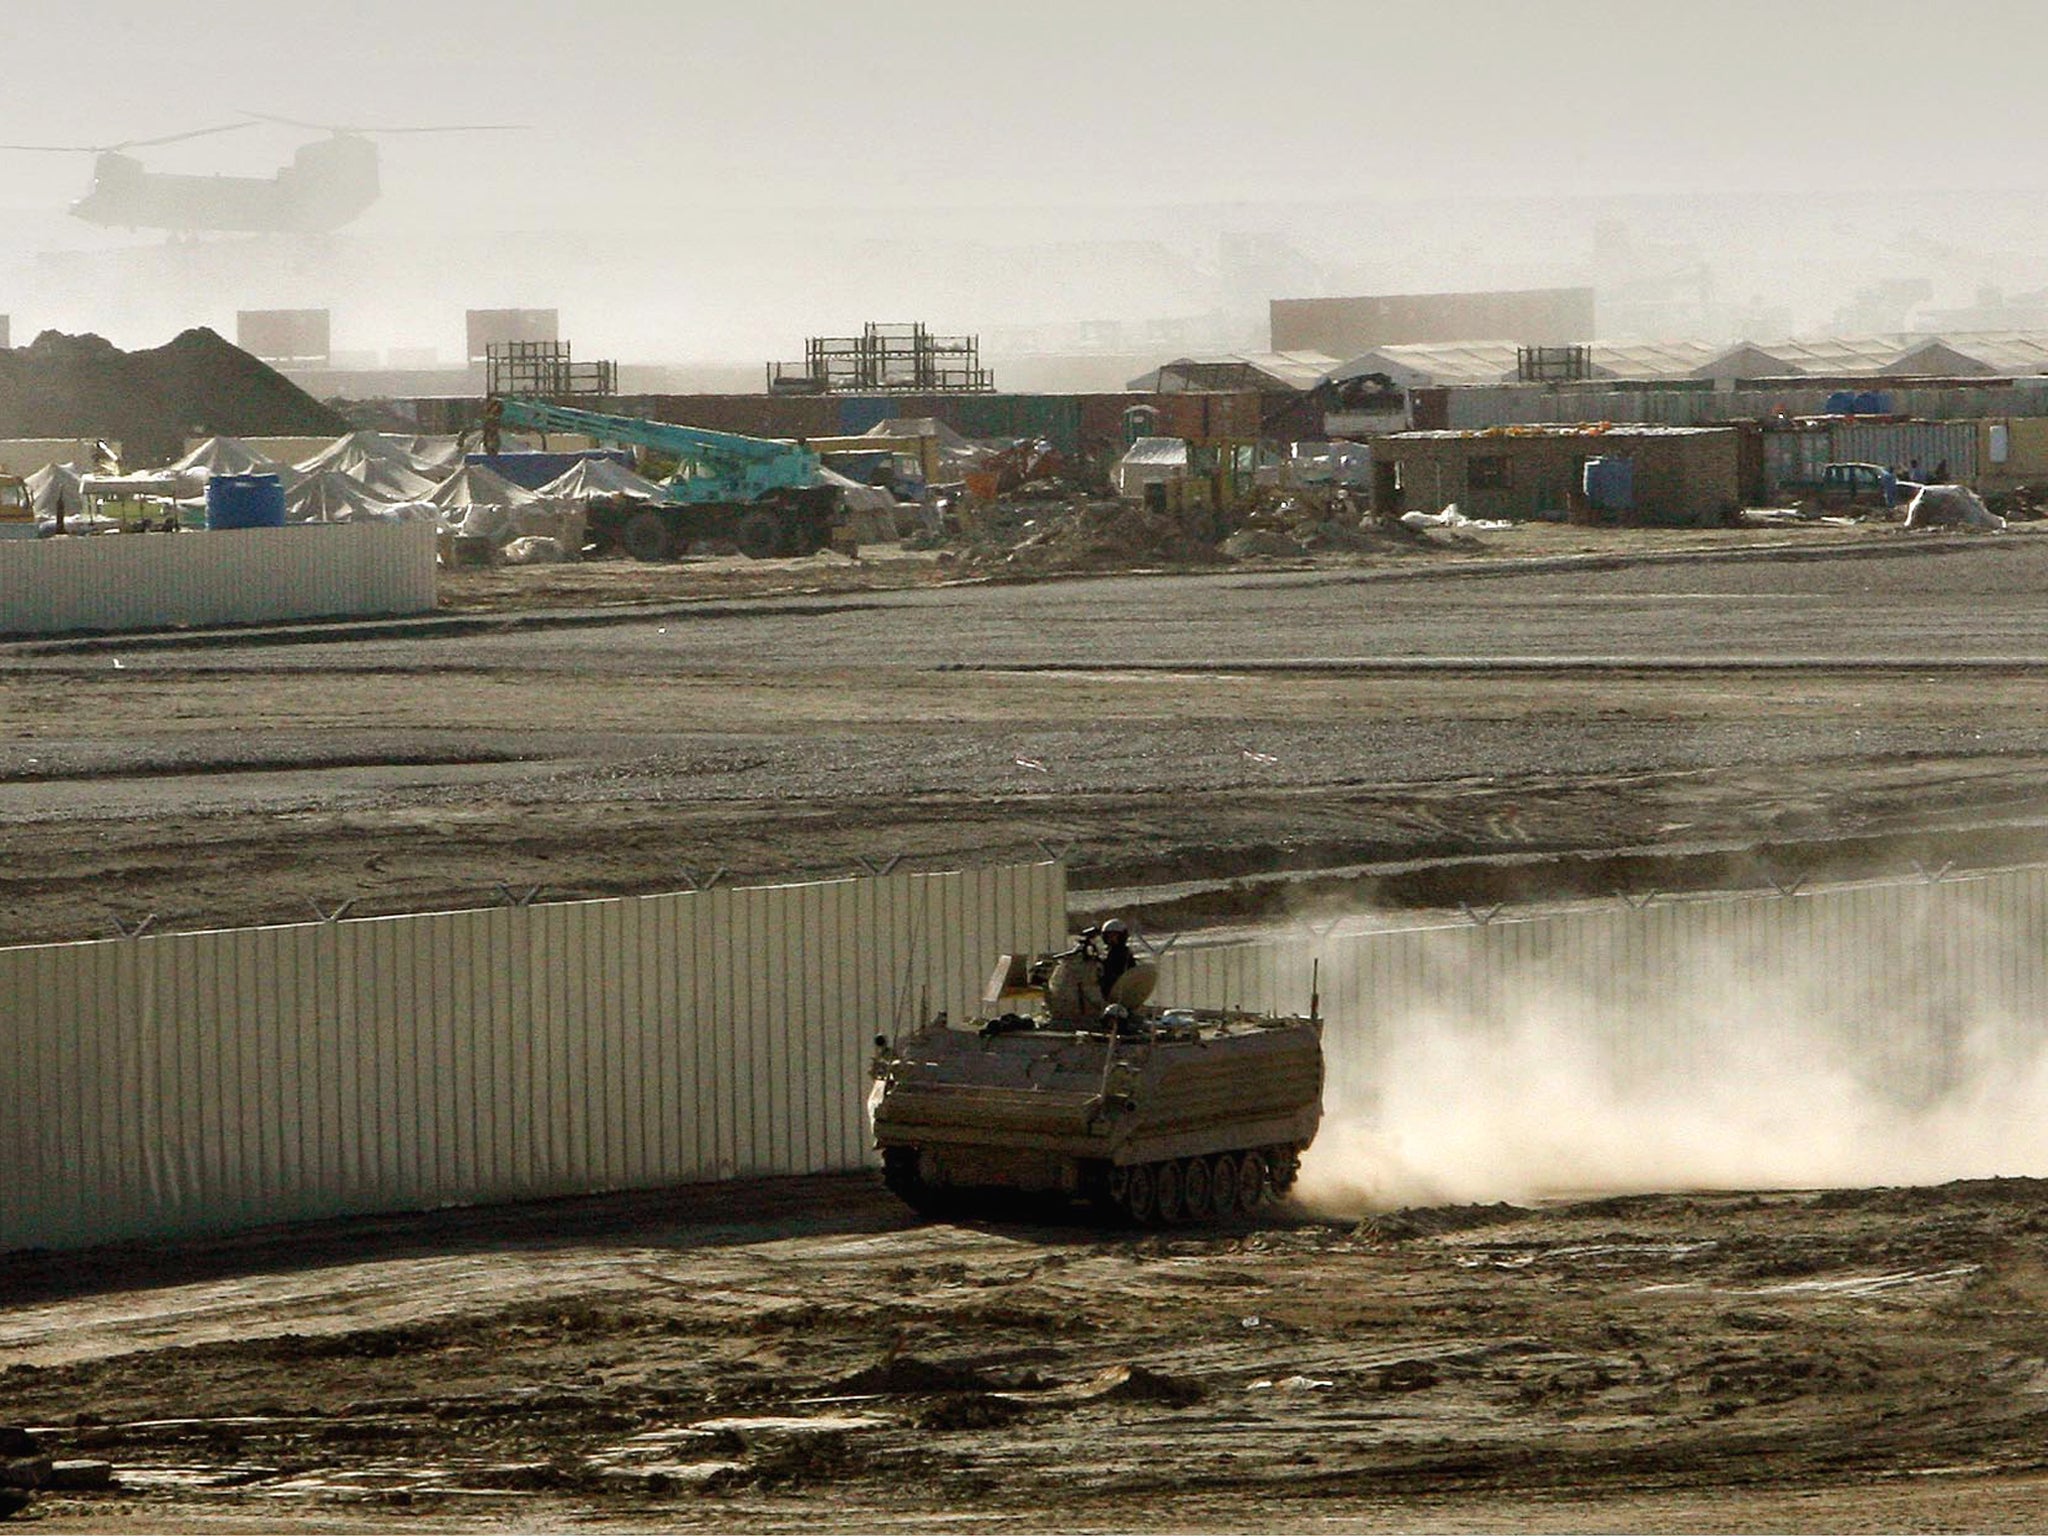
248,575
189,1082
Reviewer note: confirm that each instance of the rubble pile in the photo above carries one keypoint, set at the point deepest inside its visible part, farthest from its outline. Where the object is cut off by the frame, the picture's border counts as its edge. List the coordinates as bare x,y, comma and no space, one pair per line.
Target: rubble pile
151,401
1042,533
1295,523
2023,503
1100,535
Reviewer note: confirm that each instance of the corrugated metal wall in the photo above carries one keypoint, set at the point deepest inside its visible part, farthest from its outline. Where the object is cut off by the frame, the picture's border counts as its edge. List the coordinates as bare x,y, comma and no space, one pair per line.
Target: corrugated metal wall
1491,405
1796,458
188,1082
249,575
1905,978
1896,444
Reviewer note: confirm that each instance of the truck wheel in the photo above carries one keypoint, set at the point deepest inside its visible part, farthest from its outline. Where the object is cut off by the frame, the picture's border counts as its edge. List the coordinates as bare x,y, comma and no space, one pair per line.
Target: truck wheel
759,535
646,537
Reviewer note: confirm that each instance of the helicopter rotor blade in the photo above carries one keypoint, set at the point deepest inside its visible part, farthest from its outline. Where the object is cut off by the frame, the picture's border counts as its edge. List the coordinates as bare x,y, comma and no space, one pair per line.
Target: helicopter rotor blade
457,128
109,149
343,128
172,138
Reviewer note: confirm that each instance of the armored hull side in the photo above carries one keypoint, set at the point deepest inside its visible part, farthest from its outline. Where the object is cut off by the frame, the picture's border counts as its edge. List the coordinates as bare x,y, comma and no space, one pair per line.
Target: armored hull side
1189,1116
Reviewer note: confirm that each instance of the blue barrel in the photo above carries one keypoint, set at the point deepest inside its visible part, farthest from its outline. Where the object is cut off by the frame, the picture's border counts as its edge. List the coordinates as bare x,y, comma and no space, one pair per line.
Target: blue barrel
1610,484
1841,403
244,501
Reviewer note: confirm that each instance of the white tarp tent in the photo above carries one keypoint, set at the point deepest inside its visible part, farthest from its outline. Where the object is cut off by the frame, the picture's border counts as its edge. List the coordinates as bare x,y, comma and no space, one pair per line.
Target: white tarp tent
229,456
384,466
478,485
595,479
383,478
431,454
54,489
333,496
854,496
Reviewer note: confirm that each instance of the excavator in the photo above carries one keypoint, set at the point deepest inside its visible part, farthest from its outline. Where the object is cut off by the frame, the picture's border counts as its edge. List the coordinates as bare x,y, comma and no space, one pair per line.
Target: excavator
765,496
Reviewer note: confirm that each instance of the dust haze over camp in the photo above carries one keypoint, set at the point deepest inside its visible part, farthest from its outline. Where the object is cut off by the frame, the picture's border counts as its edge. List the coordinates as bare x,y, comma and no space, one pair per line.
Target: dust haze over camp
708,186
1121,766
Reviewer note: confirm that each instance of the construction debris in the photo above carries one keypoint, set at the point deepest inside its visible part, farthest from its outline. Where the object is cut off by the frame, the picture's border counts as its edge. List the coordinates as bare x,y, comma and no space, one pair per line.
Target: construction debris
1101,535
1951,506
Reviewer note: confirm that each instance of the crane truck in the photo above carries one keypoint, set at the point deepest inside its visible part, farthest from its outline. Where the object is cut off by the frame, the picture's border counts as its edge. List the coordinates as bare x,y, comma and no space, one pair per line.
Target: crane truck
765,496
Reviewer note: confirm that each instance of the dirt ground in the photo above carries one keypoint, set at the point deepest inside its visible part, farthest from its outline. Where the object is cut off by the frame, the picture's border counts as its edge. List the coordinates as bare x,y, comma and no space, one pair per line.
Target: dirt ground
754,723
1612,711
767,1357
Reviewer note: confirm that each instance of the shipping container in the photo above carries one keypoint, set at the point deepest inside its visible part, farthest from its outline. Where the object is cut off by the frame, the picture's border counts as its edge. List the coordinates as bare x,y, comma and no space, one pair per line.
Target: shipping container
1898,444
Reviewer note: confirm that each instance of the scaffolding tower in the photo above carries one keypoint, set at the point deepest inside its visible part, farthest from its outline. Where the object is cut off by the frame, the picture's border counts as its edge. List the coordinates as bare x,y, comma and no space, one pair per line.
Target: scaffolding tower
885,359
1553,365
543,370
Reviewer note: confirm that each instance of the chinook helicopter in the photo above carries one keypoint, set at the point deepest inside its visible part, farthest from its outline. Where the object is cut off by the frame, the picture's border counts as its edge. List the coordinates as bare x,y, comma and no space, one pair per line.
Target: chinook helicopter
328,183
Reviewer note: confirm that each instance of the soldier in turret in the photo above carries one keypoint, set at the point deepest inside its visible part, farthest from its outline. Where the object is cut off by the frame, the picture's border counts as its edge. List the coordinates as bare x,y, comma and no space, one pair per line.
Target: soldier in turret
1124,978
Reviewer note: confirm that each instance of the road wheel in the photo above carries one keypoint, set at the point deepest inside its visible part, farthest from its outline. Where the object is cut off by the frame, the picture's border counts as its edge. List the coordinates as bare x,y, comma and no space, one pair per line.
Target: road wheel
759,534
1285,1165
646,537
901,1173
1166,1192
1194,1189
1139,1199
1251,1182
1223,1187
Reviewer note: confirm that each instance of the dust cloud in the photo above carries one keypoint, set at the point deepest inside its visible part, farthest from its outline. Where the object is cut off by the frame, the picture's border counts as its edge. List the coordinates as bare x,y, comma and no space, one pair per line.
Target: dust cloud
1707,1079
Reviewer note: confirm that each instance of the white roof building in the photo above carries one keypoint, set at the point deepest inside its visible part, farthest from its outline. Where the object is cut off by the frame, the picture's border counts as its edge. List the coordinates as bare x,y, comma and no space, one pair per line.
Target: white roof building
1981,354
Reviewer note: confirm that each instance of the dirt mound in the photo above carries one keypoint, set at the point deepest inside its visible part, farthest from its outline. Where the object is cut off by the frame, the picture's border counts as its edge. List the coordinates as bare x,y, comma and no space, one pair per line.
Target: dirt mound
151,401
1136,1384
907,1375
971,1410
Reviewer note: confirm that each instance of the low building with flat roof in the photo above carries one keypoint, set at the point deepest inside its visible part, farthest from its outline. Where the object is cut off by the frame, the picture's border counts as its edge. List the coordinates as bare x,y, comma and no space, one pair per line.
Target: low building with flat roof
1685,476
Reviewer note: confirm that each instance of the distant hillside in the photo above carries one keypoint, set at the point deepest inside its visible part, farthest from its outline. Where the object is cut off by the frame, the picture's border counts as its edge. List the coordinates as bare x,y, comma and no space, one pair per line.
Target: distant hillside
197,385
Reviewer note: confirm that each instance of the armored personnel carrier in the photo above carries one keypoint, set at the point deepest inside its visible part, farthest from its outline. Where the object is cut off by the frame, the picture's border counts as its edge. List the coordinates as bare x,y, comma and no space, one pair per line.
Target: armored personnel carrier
1155,1116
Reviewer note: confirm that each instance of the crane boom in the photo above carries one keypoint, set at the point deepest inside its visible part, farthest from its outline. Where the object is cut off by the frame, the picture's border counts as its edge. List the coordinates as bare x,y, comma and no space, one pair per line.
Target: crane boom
716,466
767,497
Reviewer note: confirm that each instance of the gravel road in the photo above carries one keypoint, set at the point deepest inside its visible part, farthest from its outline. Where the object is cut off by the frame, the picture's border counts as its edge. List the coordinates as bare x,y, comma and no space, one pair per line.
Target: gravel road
1164,728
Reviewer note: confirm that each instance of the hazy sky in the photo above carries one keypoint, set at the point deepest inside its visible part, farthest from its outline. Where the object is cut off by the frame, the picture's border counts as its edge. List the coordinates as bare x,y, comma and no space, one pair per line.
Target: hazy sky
660,109
982,166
